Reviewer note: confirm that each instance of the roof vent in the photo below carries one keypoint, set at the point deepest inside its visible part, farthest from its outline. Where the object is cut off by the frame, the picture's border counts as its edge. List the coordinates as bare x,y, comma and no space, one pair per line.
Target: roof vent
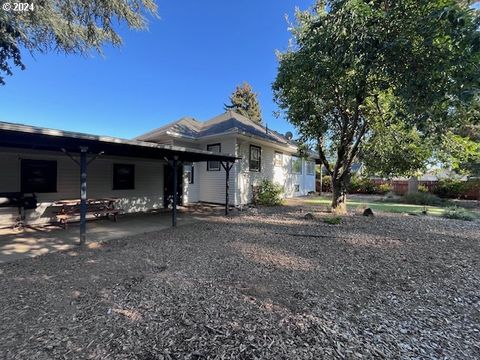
289,135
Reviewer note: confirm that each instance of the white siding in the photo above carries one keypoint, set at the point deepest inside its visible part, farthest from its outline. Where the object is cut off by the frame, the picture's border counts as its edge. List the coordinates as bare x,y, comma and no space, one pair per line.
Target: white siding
281,175
191,191
211,184
147,195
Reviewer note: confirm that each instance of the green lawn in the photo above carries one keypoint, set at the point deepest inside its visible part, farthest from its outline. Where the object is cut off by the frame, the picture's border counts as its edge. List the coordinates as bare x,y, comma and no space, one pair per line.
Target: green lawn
382,206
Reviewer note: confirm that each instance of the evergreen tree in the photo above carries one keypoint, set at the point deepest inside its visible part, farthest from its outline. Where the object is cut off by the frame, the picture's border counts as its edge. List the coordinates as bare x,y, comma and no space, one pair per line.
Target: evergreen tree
72,27
244,102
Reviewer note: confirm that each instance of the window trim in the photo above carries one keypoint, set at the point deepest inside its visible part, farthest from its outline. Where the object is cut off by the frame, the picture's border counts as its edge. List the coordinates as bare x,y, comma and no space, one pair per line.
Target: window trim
275,158
53,189
296,158
115,185
191,178
259,158
313,168
209,163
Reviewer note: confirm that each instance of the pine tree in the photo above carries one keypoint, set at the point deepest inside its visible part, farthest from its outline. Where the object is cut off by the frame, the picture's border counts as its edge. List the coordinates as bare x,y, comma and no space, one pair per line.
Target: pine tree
244,101
71,27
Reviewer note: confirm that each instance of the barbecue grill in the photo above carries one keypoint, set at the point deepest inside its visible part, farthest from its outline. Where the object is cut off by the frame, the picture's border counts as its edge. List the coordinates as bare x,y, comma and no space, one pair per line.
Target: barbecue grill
21,201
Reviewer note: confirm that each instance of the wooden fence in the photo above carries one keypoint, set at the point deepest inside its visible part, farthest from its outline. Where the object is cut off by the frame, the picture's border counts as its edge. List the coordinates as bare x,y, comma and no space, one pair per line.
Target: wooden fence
401,187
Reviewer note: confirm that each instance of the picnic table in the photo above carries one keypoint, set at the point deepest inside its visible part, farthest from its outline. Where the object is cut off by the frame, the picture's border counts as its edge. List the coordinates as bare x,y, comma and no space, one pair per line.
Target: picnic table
69,209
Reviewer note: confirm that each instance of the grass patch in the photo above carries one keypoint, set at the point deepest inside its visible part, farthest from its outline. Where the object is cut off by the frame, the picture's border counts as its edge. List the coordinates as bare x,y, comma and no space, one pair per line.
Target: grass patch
422,198
332,220
383,206
458,213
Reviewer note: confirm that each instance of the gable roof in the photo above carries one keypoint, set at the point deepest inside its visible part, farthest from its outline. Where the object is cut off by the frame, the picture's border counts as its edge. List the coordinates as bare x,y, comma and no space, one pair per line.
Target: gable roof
227,123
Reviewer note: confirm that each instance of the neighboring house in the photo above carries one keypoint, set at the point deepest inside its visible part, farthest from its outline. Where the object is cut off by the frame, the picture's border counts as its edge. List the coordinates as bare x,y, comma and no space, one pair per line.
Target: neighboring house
264,153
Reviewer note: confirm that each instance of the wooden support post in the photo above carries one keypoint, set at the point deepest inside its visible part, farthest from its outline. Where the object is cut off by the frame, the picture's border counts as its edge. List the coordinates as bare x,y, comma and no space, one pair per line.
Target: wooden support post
83,194
227,167
175,195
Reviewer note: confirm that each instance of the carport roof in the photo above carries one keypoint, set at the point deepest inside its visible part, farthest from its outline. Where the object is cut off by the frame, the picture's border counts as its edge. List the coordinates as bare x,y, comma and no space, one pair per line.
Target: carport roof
31,137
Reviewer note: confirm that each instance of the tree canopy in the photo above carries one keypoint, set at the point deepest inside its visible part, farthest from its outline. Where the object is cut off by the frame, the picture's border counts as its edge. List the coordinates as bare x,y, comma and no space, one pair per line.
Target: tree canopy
74,26
356,66
244,101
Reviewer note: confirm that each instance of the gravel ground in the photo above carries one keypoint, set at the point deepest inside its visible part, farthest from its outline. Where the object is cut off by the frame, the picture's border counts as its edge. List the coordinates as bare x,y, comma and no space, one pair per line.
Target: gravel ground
264,284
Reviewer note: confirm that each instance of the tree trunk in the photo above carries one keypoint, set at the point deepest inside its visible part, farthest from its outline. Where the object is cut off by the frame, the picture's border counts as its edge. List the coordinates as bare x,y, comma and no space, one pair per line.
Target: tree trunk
339,201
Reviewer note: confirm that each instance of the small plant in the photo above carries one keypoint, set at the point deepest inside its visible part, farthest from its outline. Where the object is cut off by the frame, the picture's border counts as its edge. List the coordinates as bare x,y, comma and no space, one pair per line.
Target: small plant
269,194
422,188
422,199
326,184
383,189
332,220
450,188
361,185
458,213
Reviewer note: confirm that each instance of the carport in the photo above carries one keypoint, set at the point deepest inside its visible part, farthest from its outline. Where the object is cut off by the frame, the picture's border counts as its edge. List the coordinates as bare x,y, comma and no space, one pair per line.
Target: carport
89,147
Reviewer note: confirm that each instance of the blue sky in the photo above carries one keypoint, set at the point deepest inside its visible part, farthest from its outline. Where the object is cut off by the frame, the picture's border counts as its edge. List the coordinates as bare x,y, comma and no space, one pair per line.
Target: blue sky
187,63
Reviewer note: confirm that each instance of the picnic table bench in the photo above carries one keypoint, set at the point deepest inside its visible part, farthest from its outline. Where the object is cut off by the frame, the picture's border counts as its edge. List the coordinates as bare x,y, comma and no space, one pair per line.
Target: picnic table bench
69,209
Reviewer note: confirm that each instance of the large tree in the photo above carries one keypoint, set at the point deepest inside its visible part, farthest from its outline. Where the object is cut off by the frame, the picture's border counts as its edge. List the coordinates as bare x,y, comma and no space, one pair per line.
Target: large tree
244,101
75,26
356,64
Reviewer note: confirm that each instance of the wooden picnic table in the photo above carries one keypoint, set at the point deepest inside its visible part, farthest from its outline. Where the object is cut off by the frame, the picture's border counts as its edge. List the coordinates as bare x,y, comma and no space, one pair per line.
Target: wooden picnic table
70,208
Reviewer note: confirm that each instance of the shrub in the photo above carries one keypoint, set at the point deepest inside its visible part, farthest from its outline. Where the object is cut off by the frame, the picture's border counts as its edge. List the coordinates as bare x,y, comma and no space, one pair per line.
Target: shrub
450,188
333,220
421,199
269,194
422,188
326,184
383,188
458,213
361,185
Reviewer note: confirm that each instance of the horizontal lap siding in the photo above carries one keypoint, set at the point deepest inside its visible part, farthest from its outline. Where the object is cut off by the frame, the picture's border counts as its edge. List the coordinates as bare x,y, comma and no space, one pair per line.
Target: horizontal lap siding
147,195
212,183
281,175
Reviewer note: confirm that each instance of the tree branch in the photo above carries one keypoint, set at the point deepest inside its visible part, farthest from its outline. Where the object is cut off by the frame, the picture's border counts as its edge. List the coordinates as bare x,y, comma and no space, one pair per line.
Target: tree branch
323,157
355,147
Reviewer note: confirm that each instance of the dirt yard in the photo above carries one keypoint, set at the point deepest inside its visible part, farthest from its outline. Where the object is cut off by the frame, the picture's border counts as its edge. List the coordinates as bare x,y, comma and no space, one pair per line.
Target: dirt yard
263,284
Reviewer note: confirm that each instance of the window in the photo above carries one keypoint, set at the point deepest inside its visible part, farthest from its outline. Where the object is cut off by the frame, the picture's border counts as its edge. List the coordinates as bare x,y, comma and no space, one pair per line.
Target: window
123,177
310,168
296,188
214,165
190,173
278,161
255,158
296,165
38,176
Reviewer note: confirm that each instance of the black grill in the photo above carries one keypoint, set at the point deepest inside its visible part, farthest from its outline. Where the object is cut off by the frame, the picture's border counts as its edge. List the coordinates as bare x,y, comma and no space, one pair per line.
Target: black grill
20,201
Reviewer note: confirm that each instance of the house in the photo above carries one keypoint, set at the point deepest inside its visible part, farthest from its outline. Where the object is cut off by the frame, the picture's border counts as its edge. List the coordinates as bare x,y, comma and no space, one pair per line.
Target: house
264,153
57,165
138,173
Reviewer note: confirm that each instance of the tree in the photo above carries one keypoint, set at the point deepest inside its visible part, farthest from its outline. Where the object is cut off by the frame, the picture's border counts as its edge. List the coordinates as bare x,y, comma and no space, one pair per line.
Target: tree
74,26
395,150
244,101
376,63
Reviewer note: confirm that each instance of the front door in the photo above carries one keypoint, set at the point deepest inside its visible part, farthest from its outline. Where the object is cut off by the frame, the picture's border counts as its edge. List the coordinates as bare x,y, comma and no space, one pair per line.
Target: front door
168,186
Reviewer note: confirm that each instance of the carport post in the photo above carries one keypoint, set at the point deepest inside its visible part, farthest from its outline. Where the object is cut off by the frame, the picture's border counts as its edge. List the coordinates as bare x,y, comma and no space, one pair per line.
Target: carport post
227,166
175,181
83,194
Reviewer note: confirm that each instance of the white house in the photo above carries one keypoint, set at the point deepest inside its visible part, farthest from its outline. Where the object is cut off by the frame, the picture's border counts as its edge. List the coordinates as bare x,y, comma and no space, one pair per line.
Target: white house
136,173
264,153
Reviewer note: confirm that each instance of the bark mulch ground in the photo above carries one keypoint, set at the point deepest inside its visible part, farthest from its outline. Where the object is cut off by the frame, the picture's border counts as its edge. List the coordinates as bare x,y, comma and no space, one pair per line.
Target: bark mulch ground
263,284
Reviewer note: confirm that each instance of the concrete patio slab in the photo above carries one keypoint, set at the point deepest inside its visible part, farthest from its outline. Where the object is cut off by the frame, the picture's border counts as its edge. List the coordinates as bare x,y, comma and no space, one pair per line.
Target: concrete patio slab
35,241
